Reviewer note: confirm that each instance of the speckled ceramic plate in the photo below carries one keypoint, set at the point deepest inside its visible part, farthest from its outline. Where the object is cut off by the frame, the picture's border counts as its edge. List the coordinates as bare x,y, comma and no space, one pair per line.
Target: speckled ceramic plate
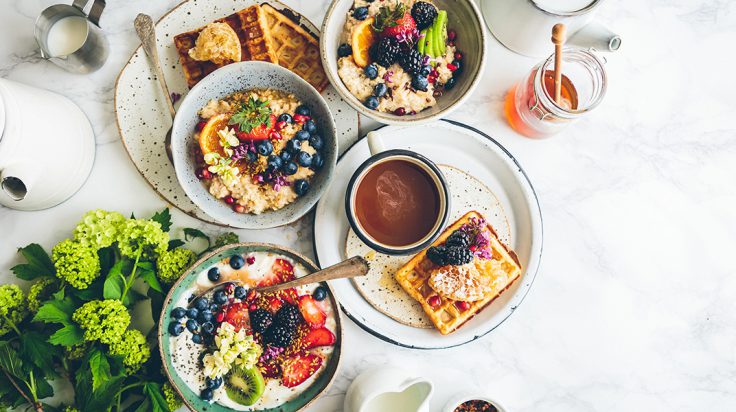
191,399
141,113
489,163
380,288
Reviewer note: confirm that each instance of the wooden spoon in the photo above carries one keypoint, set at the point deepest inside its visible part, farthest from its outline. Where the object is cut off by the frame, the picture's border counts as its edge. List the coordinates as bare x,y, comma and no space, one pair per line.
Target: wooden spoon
558,38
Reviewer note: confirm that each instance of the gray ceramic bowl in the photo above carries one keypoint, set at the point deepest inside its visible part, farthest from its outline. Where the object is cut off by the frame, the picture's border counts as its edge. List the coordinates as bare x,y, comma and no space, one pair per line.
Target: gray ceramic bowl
220,83
463,16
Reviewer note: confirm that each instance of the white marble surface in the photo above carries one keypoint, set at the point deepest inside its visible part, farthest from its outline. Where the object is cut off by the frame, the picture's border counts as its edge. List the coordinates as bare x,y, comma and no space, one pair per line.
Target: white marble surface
633,308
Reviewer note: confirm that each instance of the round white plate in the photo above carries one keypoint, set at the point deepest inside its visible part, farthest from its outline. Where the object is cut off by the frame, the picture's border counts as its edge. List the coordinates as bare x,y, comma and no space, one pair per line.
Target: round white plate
457,145
140,108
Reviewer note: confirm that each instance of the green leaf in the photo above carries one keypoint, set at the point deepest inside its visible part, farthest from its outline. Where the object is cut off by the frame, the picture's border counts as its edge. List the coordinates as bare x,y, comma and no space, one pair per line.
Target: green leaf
100,368
107,258
252,114
156,397
10,362
43,388
149,277
192,233
56,311
36,256
93,291
145,406
175,243
133,297
115,280
157,303
102,398
36,349
27,271
164,218
69,335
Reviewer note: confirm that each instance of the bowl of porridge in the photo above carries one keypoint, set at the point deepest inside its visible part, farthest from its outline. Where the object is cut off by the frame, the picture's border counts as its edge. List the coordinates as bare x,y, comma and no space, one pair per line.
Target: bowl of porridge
254,145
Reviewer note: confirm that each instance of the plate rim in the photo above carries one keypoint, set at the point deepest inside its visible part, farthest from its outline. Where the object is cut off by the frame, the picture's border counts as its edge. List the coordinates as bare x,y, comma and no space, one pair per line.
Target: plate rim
531,280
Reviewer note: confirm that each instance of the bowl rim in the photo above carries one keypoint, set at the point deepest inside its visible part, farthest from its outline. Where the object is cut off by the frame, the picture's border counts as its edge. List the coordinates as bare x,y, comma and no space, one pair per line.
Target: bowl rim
339,330
389,118
178,162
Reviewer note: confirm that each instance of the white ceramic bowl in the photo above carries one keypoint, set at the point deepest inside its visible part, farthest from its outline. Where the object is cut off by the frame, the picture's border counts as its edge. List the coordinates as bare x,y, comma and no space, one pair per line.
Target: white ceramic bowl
460,398
220,83
463,16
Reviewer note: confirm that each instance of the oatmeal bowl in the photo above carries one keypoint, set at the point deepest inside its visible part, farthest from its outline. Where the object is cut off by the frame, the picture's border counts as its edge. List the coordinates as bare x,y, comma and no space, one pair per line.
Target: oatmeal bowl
403,61
254,145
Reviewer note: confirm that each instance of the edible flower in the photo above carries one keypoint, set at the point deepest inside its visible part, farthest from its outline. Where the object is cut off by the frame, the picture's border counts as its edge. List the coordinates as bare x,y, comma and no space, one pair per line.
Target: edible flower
479,237
228,140
233,348
40,291
221,166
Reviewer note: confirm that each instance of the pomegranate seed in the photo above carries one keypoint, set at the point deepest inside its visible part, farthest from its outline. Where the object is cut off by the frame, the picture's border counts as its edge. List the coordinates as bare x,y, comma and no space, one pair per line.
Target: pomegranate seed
280,125
434,73
451,35
473,248
462,306
252,294
229,199
432,79
298,118
250,260
451,67
206,174
239,209
229,288
252,307
458,56
199,173
275,135
220,316
200,125
400,111
434,301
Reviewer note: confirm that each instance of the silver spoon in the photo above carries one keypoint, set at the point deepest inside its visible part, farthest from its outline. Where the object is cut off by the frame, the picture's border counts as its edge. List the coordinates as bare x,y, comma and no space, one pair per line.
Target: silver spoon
147,33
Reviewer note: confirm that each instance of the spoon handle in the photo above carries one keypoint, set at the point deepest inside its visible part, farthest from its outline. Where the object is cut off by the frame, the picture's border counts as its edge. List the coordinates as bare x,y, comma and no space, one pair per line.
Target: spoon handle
147,33
350,268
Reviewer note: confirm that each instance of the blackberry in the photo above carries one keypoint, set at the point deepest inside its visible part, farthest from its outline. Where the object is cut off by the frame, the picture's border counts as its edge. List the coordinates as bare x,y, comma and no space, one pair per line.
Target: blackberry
260,320
278,335
438,255
288,315
457,256
386,52
423,14
458,238
411,61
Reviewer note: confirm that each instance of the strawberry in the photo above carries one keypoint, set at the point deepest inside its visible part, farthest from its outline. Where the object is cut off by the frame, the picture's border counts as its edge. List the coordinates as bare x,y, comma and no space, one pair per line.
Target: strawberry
261,132
298,368
289,296
270,370
237,315
275,304
402,28
281,271
318,337
311,311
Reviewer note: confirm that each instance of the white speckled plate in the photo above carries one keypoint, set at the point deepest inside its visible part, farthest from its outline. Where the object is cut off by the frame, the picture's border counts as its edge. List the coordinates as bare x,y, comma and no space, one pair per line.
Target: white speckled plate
380,288
141,113
472,151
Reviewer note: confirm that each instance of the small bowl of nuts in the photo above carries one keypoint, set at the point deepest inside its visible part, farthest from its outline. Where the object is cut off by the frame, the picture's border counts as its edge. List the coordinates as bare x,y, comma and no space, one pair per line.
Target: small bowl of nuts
472,402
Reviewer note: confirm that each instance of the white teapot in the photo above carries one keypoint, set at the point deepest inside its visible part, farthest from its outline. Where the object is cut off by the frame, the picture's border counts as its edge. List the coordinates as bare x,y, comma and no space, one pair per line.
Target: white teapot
47,147
385,388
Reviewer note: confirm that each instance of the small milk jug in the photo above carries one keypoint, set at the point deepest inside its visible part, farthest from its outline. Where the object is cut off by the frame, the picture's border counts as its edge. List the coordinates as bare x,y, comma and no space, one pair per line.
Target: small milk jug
384,389
47,147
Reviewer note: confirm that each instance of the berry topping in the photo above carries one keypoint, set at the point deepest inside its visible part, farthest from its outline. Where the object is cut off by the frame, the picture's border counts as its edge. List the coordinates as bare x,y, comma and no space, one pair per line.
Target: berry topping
411,61
281,271
424,14
395,22
213,383
192,313
458,56
237,262
178,313
280,125
450,83
214,273
286,117
434,301
380,89
206,395
371,103
289,315
303,110
400,111
360,13
301,187
311,311
200,125
220,297
304,159
264,148
462,306
420,83
458,238
298,368
320,293
202,304
344,50
317,161
192,325
451,35
290,168
239,292
197,338
229,288
318,337
251,260
237,315
239,209
300,118
260,320
457,256
387,51
316,142
278,335
257,133
310,126
176,328
294,145
371,71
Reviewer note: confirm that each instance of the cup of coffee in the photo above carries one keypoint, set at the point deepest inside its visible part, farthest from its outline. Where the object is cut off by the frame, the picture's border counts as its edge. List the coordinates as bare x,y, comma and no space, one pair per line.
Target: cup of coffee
398,201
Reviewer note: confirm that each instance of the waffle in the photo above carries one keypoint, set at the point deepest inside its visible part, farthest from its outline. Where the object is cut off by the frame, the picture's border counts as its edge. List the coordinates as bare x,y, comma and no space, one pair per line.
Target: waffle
295,48
252,30
503,269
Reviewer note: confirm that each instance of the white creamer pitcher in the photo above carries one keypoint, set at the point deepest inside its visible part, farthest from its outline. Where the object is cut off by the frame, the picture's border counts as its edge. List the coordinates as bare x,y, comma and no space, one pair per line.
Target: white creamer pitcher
47,147
388,389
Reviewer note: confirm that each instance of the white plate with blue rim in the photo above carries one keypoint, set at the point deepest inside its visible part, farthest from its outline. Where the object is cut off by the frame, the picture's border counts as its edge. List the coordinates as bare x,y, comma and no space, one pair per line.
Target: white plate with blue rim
490,167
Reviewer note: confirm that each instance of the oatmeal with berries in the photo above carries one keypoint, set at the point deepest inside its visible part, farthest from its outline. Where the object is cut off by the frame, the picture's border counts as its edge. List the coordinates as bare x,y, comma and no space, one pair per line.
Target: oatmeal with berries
257,149
398,56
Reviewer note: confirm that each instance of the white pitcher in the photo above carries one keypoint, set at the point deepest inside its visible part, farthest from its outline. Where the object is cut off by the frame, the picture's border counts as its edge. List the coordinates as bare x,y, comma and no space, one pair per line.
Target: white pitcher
525,26
47,147
384,389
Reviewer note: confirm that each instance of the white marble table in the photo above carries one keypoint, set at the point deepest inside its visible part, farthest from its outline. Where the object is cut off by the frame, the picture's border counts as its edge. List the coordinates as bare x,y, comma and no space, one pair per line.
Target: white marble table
633,308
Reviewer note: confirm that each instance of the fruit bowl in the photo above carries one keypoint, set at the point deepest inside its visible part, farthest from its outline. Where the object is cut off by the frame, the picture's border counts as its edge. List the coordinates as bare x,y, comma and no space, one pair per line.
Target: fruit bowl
463,16
235,264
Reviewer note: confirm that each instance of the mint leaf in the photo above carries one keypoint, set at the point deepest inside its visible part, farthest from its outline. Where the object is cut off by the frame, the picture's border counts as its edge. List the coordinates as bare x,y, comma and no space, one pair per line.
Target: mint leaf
39,263
56,311
164,218
69,335
156,397
100,368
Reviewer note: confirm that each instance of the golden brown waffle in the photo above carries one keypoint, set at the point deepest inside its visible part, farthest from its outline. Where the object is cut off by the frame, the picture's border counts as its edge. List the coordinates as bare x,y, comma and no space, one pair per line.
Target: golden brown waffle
296,49
503,268
251,27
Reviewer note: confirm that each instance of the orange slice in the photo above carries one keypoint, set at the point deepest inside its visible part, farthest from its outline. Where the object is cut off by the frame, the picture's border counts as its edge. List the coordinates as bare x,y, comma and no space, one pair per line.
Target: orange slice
209,141
363,39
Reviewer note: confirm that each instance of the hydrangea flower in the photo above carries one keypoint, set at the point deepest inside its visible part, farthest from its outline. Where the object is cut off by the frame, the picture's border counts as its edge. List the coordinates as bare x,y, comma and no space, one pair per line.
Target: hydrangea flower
103,320
98,228
172,263
76,352
144,237
75,263
173,401
133,348
12,308
39,292
233,348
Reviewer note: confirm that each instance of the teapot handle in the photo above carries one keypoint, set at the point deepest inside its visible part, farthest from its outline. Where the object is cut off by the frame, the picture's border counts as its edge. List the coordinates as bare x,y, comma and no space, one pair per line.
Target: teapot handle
95,12
596,36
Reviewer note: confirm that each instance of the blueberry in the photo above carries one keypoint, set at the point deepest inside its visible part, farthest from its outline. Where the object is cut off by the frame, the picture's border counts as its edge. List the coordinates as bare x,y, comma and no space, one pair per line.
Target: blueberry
303,110
275,162
176,328
317,161
202,304
316,142
286,117
213,383
214,308
304,159
450,83
192,313
360,13
344,50
290,168
239,292
293,146
371,71
213,274
459,65
197,338
425,71
192,325
237,262
380,89
252,157
208,327
320,293
302,135
285,156
178,313
301,187
371,103
220,297
206,394
205,316
420,83
310,126
264,148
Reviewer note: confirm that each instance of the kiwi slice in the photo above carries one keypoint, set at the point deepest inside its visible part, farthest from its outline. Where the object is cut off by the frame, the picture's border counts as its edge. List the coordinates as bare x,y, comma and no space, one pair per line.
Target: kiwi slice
422,41
244,386
440,33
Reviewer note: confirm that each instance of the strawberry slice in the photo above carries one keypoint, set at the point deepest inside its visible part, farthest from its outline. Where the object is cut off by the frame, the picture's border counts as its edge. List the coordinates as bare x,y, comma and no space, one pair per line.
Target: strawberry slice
281,271
404,27
259,133
311,311
318,337
270,370
237,315
274,304
298,368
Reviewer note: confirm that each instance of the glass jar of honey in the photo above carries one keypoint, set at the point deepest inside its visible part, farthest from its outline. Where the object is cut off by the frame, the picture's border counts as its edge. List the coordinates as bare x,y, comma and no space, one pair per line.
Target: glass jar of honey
530,107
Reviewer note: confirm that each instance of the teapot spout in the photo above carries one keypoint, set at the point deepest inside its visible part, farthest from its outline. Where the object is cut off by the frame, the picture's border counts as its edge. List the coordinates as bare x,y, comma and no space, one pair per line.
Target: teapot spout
17,180
596,36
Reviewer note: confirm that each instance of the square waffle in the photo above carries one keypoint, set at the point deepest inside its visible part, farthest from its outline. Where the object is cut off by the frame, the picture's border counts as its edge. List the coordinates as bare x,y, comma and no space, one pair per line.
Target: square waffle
251,27
296,49
503,267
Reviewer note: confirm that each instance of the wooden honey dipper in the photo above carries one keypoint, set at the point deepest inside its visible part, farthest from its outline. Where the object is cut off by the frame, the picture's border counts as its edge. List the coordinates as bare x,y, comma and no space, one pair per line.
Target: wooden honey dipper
558,38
